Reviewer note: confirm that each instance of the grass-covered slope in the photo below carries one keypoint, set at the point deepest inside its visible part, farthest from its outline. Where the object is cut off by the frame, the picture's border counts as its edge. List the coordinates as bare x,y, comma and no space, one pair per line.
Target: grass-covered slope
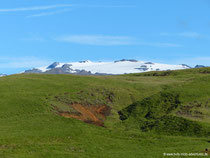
159,114
155,113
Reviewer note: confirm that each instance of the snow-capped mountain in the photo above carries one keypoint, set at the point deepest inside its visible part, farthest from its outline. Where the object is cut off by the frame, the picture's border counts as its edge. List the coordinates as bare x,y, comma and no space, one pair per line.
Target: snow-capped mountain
2,75
87,67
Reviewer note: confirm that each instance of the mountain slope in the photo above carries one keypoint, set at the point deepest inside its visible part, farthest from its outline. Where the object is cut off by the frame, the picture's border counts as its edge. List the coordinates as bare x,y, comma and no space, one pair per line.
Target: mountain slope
32,127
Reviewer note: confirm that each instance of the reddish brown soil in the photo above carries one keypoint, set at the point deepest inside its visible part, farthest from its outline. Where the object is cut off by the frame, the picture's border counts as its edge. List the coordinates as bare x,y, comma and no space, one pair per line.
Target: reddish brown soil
90,114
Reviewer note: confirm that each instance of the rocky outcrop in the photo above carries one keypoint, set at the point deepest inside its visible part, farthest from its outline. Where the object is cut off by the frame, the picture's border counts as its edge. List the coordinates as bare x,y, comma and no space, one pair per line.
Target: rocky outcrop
143,68
199,66
53,65
131,60
185,65
36,71
148,63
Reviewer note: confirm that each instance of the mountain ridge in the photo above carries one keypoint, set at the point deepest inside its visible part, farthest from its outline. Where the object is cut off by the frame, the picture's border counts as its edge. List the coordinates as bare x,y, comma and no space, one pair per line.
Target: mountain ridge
87,67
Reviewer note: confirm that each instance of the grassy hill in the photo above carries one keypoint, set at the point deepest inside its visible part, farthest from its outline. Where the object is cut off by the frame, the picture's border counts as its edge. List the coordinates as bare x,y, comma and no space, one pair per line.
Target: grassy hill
135,115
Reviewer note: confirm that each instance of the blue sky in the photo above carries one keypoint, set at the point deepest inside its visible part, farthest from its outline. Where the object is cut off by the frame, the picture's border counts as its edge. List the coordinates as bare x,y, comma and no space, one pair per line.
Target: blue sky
36,32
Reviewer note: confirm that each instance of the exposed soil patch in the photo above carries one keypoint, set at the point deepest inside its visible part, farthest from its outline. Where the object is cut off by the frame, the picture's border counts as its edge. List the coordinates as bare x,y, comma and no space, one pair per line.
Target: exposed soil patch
87,113
88,106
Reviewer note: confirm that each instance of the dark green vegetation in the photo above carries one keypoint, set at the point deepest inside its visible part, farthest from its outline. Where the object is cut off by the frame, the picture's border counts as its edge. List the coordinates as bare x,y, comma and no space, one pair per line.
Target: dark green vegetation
155,113
160,112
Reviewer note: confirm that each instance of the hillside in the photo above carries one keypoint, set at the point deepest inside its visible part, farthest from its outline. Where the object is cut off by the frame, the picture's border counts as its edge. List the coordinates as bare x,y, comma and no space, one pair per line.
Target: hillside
134,115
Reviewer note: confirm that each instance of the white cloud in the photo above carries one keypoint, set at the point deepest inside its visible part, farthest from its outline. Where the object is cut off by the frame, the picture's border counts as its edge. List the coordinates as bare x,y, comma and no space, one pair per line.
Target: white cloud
37,8
48,13
101,40
56,6
183,34
22,62
160,44
109,6
97,40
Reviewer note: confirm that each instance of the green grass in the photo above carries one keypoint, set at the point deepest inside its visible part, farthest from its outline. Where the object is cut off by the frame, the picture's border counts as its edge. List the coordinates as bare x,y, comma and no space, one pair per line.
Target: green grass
29,128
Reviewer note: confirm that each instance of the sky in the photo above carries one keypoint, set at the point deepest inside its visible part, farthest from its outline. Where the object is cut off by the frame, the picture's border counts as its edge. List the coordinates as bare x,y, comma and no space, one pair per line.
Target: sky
38,32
